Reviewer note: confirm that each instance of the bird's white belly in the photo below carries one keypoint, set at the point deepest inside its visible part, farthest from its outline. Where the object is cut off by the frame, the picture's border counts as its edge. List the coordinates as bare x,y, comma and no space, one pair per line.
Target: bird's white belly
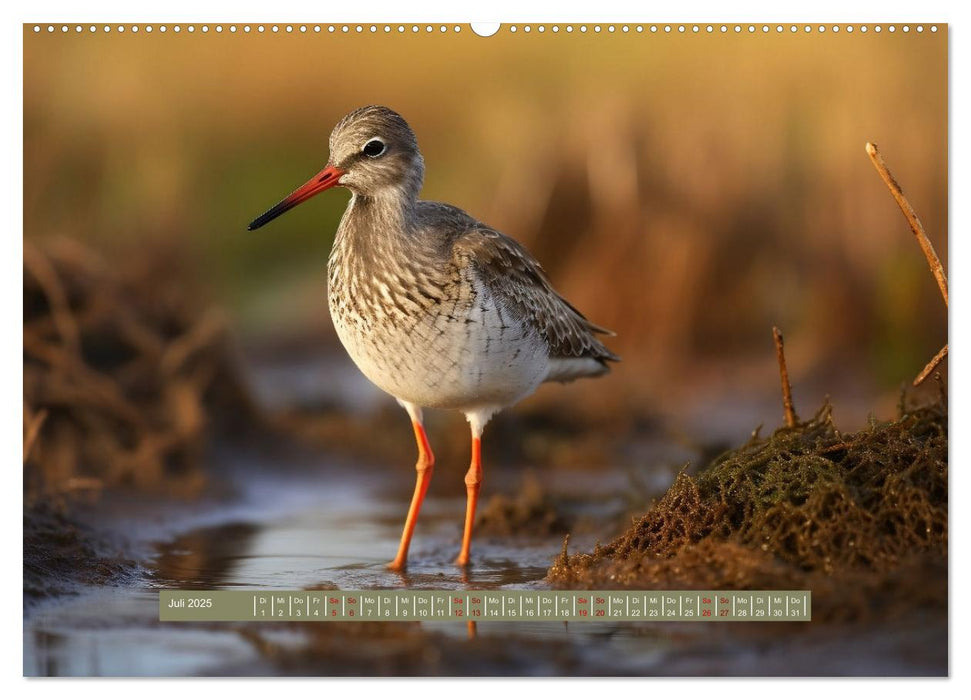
459,358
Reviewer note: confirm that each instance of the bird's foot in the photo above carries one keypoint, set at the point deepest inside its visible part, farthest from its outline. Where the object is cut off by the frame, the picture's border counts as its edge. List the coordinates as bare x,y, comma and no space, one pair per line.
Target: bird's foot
397,565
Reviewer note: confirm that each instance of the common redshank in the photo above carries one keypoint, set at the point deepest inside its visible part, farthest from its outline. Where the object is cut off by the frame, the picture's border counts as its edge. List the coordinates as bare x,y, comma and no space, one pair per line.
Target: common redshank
434,307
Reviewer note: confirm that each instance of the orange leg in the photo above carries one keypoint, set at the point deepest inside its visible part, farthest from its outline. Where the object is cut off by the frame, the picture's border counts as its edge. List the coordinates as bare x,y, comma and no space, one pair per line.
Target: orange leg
425,466
473,478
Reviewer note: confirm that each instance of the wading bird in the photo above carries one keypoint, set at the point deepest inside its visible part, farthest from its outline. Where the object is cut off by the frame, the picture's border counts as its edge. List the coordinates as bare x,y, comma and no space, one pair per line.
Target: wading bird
434,307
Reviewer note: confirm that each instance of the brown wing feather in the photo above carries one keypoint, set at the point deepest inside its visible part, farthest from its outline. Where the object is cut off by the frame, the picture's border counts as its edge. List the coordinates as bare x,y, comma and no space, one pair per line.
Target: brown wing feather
518,279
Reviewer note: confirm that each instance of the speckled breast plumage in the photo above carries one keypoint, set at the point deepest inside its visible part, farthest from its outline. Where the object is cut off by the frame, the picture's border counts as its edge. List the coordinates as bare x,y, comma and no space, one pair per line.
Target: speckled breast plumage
428,332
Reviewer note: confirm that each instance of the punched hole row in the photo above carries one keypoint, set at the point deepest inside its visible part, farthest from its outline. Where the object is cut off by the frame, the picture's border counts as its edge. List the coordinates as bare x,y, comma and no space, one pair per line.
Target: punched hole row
513,29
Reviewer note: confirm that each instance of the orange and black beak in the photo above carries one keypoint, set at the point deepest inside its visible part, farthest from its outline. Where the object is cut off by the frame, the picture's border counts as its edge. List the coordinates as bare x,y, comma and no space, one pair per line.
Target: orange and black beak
324,180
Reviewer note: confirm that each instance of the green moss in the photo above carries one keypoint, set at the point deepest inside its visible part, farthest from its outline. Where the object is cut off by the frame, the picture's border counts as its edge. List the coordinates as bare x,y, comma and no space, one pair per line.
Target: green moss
804,503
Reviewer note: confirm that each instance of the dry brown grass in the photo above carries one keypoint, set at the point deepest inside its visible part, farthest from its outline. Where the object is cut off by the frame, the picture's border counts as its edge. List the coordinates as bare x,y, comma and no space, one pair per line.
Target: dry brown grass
125,375
686,191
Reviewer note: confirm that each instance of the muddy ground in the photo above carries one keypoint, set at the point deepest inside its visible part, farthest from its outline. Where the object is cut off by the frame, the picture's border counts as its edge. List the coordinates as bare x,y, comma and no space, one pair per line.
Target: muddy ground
156,457
296,518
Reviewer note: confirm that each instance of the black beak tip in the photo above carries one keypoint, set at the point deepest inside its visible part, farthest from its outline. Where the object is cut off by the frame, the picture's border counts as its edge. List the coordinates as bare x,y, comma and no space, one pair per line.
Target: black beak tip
262,219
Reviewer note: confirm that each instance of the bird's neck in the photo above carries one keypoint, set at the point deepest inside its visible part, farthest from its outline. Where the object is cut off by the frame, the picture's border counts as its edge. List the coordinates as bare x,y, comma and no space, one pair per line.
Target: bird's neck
386,217
376,226
389,208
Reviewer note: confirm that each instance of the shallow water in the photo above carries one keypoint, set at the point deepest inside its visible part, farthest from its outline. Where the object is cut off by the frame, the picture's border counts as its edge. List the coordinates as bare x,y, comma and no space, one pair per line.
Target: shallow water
326,527
336,526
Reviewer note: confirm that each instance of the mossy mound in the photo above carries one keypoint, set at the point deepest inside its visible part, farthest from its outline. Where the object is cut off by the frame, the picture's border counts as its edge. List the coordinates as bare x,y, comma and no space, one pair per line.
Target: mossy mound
530,511
800,508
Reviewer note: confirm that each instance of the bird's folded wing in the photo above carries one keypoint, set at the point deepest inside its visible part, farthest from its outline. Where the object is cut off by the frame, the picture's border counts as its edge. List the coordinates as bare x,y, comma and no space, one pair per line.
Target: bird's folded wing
518,281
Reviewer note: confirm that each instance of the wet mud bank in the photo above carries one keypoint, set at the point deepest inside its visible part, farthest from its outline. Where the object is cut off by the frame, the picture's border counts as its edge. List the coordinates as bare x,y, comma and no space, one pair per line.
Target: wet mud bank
63,556
859,519
874,555
804,505
150,464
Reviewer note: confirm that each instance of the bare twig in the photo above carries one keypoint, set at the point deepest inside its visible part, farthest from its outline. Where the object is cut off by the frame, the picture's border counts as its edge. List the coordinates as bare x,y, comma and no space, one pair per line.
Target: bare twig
931,366
780,354
32,431
925,245
85,386
932,260
82,483
196,338
842,446
50,283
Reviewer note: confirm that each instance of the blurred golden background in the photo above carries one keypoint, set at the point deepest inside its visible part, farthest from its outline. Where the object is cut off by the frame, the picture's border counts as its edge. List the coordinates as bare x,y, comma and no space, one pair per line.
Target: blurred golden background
688,191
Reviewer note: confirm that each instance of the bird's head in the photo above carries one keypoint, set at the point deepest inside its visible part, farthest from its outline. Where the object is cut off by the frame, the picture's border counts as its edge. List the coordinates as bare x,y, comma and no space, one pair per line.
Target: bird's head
373,153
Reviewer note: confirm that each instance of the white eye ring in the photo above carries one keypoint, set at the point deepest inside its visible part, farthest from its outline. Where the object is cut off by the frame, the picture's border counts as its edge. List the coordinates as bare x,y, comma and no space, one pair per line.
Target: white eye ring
374,148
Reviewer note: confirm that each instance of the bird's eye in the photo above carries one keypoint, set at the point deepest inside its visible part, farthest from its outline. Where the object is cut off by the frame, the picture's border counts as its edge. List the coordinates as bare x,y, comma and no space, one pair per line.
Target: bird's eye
374,148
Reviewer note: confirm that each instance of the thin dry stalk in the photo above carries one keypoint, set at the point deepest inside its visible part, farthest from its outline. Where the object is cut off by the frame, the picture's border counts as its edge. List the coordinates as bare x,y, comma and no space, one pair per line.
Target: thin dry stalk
50,283
34,424
780,354
199,337
925,245
931,366
932,260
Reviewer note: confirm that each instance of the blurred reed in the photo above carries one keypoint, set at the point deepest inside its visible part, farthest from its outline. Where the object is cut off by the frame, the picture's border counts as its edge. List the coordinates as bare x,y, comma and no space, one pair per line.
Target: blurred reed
688,191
